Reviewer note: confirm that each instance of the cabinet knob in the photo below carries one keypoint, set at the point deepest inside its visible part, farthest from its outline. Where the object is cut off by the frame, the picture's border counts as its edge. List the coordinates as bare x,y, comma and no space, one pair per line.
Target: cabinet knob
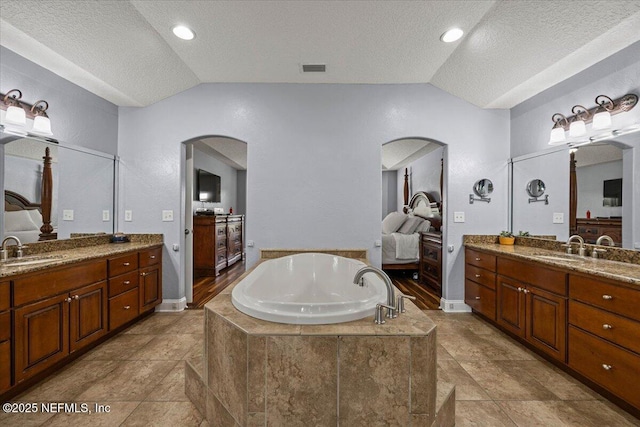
520,289
477,276
126,264
127,307
526,291
478,259
477,297
607,326
76,297
606,367
607,297
144,274
67,300
126,282
152,257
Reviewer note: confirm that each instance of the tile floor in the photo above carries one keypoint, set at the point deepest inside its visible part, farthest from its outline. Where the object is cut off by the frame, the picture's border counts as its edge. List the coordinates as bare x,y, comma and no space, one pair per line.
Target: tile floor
140,375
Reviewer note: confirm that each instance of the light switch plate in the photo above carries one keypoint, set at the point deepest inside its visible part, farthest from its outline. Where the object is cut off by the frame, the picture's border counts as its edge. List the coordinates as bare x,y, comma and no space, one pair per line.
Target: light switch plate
250,243
377,243
458,217
67,215
167,215
128,216
105,215
558,218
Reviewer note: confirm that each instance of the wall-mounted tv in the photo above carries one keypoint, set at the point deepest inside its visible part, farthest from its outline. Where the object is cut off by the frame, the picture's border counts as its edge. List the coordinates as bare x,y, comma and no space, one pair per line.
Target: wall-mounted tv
612,192
207,186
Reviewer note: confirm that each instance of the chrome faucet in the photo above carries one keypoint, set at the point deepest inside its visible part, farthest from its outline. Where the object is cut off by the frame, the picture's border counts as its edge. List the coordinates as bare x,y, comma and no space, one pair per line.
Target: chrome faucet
606,238
581,250
391,298
4,254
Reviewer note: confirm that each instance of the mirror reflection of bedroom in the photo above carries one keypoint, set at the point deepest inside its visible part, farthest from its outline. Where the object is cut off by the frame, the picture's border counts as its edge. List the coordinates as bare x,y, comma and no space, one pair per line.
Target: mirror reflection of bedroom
412,173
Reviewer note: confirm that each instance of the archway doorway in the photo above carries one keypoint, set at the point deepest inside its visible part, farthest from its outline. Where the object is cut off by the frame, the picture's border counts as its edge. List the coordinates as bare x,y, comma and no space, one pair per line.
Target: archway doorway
412,217
215,177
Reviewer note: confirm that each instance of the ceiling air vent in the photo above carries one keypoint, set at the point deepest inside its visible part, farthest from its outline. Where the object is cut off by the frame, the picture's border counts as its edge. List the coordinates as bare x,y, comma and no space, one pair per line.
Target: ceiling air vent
314,68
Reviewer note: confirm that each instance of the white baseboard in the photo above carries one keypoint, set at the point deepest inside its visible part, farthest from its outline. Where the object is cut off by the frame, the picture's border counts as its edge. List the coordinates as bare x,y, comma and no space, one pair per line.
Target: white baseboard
454,306
172,305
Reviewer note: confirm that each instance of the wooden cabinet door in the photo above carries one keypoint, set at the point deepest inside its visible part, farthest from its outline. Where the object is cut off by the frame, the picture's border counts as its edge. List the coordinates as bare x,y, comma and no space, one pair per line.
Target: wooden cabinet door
41,335
150,288
511,305
546,322
88,315
5,366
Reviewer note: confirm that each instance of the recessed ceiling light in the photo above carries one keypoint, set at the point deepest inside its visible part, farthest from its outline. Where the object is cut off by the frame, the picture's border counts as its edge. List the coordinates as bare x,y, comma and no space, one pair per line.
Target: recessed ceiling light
451,35
184,33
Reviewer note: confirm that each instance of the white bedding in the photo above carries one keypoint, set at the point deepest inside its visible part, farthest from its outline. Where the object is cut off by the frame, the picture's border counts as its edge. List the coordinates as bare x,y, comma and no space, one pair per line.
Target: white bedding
406,245
389,250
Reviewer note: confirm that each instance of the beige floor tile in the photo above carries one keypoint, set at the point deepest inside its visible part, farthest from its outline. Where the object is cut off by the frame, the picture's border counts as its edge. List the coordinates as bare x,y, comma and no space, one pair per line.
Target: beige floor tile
192,324
23,419
120,347
171,388
467,388
481,413
443,354
164,414
130,381
118,412
467,345
156,323
166,347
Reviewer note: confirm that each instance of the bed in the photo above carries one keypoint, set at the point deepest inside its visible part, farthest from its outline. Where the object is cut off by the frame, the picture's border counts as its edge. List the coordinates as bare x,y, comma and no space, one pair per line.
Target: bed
30,221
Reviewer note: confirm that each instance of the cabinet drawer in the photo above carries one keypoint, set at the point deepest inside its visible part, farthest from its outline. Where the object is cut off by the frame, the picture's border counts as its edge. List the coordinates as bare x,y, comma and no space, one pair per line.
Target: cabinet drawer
221,244
5,326
123,264
534,274
221,257
221,230
479,275
123,308
610,297
480,298
592,356
150,257
50,283
480,259
5,296
5,366
619,330
123,283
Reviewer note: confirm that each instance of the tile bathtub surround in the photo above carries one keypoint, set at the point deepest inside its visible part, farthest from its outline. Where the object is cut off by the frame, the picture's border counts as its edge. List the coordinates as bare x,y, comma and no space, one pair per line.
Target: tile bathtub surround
360,254
569,403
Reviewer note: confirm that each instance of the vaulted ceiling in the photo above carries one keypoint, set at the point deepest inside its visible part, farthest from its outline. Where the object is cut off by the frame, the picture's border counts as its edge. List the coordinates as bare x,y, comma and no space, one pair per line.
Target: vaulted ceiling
125,52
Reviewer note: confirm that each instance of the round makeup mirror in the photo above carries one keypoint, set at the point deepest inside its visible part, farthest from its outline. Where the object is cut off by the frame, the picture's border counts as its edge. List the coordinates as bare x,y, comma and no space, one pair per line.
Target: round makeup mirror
483,187
536,188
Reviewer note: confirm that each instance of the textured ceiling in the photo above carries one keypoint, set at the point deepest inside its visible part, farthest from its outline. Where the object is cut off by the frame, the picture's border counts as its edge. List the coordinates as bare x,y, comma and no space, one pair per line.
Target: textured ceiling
124,51
228,150
397,154
594,154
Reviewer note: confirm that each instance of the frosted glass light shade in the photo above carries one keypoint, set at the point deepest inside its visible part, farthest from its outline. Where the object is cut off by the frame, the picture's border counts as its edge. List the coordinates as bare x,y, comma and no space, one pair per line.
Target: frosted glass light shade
42,126
577,128
557,136
602,120
15,116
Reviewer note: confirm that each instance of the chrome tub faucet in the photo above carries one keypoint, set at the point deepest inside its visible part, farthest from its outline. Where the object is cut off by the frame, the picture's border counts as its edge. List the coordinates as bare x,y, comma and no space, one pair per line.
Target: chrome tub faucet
390,304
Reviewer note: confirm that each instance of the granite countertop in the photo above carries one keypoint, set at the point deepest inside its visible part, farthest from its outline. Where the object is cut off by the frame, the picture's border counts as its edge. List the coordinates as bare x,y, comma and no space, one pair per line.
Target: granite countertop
628,273
58,258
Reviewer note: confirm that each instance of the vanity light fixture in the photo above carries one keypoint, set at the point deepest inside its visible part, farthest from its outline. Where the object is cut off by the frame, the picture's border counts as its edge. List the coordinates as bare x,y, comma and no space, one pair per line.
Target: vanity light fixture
183,32
17,113
599,117
451,35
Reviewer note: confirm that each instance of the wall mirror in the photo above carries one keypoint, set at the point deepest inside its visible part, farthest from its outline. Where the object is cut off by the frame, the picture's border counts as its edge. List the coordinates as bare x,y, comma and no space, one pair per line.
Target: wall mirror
482,188
82,189
535,188
588,167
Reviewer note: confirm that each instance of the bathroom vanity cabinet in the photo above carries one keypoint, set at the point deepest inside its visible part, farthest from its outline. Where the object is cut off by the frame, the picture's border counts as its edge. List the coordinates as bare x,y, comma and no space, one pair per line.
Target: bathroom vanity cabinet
587,324
64,310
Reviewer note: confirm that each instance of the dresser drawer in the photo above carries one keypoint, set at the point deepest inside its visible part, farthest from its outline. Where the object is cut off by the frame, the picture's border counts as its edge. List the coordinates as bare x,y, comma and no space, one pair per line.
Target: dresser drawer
123,283
5,326
617,299
221,231
480,298
480,259
5,296
122,264
610,366
150,257
534,274
617,329
480,275
123,308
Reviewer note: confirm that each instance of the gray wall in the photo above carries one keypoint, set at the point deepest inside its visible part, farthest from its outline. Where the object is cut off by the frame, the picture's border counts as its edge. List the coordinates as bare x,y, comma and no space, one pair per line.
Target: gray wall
614,76
228,181
314,155
389,192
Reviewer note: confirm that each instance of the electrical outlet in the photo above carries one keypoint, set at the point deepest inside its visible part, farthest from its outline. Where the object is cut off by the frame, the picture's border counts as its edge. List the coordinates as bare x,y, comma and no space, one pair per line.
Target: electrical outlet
558,218
128,216
377,243
167,215
458,217
250,243
105,215
67,215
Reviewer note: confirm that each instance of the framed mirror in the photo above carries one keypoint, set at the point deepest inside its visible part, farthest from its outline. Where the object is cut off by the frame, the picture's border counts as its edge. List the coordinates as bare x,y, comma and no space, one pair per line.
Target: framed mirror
535,188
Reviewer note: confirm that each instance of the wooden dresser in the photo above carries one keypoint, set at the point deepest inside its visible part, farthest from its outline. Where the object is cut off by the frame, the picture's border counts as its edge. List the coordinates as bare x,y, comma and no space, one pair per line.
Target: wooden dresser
430,259
217,243
592,228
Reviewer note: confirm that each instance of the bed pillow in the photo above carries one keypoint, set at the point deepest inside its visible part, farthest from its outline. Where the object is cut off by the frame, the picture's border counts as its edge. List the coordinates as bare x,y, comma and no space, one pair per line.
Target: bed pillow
410,225
392,222
424,227
18,221
36,217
